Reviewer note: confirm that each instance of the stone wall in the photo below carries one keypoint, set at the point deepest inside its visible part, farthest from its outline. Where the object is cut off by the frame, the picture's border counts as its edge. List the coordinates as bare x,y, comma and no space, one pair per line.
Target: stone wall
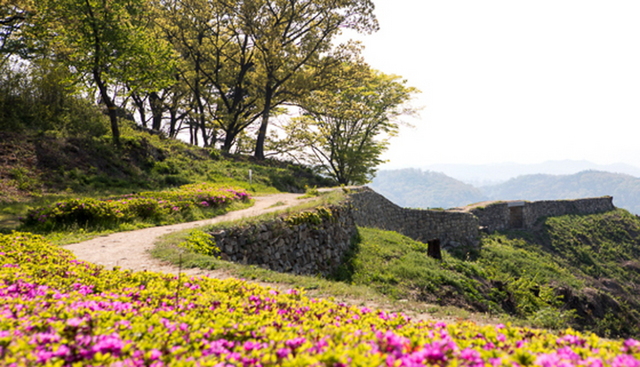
319,247
553,208
305,248
371,209
497,216
494,217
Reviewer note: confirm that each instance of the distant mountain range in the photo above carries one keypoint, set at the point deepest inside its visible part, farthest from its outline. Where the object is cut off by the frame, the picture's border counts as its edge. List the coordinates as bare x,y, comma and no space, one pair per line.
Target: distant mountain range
415,188
492,174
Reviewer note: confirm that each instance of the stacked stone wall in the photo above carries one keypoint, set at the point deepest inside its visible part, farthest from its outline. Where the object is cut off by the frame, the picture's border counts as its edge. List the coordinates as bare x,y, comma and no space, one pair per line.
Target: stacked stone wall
306,248
495,217
552,208
453,229
319,246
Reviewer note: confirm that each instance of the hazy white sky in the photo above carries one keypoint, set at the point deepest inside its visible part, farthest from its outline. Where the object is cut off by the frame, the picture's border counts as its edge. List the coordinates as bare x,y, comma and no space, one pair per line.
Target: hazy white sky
513,81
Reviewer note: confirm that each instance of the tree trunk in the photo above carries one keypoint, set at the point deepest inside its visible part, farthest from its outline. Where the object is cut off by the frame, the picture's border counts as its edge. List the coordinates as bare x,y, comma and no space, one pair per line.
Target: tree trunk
173,122
156,111
111,108
262,132
139,102
228,141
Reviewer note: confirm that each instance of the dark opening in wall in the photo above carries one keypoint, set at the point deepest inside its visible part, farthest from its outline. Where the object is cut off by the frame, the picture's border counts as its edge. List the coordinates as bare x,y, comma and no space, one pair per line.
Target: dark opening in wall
516,214
434,249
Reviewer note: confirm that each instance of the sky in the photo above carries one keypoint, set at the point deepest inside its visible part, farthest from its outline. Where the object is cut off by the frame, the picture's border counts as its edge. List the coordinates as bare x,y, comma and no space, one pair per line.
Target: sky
513,81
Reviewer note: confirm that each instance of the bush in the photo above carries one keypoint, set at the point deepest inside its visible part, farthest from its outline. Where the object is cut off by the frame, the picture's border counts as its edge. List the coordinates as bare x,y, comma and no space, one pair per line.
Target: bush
41,98
156,207
201,243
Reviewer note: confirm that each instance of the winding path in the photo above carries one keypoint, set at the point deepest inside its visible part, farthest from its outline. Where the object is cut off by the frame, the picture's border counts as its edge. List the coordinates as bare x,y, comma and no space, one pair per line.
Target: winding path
130,250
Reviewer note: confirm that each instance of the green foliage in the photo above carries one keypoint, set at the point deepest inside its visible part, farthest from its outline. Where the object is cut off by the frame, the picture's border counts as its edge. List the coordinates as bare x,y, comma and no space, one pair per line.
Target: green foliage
346,125
155,207
399,267
104,43
315,217
597,244
516,258
200,242
92,165
309,192
511,274
41,98
550,317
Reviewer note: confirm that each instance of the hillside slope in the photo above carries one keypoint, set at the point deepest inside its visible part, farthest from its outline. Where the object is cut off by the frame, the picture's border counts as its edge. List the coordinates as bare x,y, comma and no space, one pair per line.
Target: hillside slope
575,270
31,165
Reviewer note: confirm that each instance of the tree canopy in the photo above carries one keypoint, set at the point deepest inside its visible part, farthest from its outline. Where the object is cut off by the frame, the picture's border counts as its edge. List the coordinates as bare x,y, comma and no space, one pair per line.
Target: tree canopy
223,71
347,125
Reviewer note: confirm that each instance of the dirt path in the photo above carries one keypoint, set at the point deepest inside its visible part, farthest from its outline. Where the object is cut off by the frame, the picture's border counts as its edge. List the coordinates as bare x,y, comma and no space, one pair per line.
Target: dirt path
130,250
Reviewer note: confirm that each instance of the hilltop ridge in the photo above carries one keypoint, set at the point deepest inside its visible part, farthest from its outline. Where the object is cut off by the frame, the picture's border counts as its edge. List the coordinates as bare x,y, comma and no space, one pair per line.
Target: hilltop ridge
417,189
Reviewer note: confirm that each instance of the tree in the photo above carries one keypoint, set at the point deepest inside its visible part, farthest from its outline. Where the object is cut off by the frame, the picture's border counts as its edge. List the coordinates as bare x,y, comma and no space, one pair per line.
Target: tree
14,16
105,42
346,127
218,62
289,35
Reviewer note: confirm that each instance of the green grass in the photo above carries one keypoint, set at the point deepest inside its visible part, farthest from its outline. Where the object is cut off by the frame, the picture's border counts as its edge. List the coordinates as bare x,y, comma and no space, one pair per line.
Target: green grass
516,276
326,198
93,167
167,249
399,267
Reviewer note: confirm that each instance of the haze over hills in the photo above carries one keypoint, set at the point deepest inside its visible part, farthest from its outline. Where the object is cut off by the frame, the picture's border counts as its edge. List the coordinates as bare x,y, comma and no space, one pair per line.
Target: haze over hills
414,188
425,189
492,174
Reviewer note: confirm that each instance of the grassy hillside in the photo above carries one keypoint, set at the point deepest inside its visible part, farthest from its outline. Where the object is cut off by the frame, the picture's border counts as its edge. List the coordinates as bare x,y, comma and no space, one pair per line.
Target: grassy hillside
578,271
36,164
573,270
36,169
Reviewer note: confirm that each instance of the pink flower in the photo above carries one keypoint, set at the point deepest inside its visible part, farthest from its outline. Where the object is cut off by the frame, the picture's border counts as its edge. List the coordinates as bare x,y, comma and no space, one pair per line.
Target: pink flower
295,343
155,354
108,344
625,360
74,322
283,352
630,346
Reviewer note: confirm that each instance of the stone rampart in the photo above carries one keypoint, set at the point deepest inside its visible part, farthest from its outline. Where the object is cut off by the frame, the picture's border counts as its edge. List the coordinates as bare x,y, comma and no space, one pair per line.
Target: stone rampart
453,229
524,214
553,208
494,217
315,246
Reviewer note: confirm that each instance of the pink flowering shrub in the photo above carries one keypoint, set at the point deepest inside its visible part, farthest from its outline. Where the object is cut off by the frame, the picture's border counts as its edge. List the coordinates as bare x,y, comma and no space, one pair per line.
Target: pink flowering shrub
164,206
58,311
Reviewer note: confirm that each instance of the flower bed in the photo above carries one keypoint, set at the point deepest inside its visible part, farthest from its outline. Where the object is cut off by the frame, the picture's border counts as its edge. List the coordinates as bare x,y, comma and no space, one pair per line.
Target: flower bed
56,310
164,206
